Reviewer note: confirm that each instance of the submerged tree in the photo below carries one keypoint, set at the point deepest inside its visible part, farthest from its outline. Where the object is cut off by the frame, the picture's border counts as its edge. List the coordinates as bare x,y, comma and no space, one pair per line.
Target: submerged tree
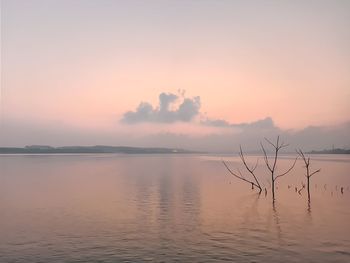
272,167
308,172
251,170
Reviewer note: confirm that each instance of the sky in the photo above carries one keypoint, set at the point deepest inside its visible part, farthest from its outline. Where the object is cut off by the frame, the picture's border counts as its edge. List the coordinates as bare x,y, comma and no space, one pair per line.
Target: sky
197,74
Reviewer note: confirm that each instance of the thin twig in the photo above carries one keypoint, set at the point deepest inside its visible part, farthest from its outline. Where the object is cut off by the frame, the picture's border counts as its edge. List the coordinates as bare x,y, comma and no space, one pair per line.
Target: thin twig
288,169
237,176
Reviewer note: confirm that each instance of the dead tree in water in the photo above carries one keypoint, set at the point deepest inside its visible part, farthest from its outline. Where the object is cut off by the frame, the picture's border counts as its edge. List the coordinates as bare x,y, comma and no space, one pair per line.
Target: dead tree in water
251,170
272,167
308,172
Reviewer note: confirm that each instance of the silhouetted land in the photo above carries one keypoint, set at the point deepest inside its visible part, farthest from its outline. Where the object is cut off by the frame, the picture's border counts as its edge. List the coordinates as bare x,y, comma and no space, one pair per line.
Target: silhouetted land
35,149
332,151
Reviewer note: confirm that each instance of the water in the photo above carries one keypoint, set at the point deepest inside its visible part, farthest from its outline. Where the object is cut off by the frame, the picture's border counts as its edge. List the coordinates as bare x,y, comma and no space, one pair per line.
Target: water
172,208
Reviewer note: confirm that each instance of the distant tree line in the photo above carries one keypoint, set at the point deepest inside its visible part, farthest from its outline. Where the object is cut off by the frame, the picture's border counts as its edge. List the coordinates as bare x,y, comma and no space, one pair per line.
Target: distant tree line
332,151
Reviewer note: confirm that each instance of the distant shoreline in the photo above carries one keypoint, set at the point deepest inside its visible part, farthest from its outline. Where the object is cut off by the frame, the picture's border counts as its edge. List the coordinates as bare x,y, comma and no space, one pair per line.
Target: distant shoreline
332,151
91,149
44,149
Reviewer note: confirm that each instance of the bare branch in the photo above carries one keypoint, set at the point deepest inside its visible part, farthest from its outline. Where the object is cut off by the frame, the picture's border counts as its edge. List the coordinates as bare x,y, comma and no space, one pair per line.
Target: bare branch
239,171
288,169
273,166
319,170
241,155
256,164
273,145
250,170
265,157
283,145
308,174
242,158
300,152
239,177
307,163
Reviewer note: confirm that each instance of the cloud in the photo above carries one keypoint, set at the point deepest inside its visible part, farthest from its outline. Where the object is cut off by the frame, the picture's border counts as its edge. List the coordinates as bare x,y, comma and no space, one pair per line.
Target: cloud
215,123
266,123
186,111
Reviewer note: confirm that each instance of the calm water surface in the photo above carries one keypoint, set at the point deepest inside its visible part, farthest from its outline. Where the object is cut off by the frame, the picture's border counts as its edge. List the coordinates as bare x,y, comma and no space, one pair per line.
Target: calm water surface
172,208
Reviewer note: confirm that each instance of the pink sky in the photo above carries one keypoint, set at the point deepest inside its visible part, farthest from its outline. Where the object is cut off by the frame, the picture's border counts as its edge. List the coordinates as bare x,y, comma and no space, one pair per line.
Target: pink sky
85,65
